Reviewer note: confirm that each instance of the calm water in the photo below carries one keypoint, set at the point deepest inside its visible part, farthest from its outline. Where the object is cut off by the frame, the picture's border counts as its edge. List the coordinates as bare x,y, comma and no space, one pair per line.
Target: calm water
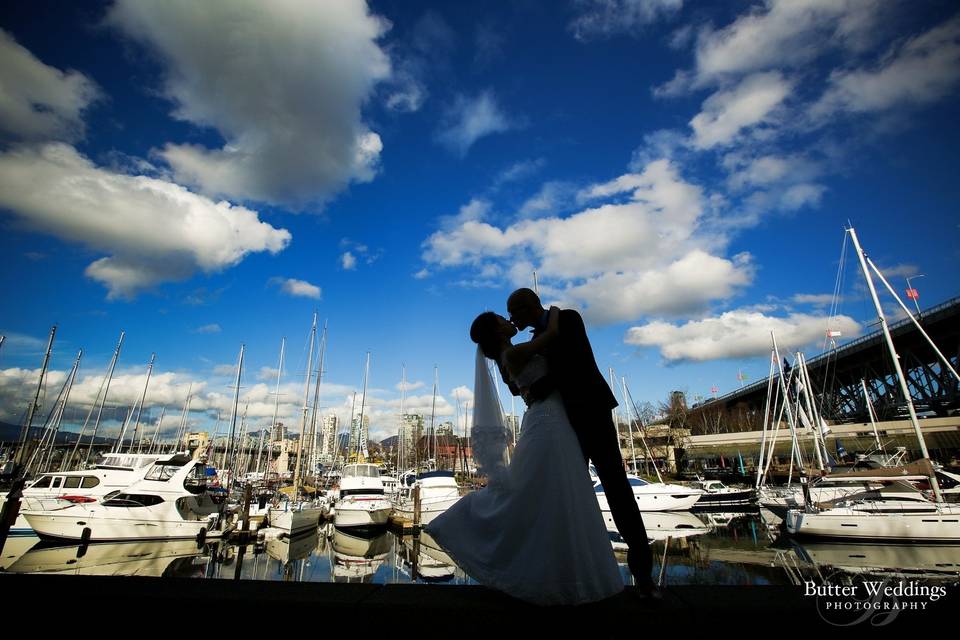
720,549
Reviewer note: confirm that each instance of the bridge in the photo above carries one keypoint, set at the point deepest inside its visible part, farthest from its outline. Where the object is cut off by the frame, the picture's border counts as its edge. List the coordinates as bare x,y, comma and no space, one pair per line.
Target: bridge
836,376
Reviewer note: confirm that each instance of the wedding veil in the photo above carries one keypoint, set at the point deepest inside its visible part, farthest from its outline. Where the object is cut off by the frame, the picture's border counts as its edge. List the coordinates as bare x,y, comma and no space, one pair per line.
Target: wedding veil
488,434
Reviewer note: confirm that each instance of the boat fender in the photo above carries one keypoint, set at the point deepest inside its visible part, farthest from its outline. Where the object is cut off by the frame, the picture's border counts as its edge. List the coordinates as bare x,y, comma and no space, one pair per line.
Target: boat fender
201,537
85,536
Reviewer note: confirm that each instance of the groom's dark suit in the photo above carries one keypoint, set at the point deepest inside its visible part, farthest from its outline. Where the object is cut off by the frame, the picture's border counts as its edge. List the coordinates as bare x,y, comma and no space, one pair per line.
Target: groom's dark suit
589,403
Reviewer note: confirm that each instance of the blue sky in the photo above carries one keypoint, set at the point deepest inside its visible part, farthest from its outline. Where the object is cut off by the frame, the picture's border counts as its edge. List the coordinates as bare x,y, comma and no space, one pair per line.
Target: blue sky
203,175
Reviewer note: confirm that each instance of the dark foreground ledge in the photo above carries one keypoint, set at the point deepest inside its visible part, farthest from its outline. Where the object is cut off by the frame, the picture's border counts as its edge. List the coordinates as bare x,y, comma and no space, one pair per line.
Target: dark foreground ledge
430,609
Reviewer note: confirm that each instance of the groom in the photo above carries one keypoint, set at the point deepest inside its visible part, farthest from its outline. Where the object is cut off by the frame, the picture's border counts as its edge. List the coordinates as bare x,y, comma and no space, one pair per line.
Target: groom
588,401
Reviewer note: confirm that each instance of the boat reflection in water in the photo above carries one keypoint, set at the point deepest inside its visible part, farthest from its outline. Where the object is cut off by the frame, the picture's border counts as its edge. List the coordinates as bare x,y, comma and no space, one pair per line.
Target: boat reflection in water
15,547
423,559
357,558
660,525
180,558
898,560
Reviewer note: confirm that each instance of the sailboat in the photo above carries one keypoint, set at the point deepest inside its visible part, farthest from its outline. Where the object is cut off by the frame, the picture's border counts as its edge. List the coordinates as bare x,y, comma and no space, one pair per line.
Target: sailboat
894,514
295,515
438,488
361,500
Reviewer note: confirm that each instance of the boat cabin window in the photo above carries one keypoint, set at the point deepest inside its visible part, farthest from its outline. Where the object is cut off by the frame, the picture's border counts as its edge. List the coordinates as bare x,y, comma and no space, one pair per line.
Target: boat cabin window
366,492
132,500
161,472
637,482
196,480
57,481
361,471
72,482
42,483
89,482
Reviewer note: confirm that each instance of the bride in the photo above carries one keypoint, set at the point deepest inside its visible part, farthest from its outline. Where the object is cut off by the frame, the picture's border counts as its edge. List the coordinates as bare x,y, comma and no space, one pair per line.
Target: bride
535,531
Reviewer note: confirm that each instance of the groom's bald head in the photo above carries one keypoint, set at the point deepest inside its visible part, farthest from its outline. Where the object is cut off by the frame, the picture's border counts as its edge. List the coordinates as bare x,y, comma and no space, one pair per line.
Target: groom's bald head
524,307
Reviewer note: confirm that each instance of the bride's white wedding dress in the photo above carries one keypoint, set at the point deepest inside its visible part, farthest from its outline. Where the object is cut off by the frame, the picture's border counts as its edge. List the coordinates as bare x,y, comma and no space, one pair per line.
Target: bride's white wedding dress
535,531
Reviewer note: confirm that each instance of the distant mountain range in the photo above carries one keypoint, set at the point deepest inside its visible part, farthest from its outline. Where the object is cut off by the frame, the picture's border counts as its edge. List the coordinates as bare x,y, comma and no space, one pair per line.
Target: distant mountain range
10,434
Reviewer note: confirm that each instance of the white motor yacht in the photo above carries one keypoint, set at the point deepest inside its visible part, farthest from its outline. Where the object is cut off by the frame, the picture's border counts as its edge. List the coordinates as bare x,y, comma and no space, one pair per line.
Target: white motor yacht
56,490
361,502
438,492
170,502
650,496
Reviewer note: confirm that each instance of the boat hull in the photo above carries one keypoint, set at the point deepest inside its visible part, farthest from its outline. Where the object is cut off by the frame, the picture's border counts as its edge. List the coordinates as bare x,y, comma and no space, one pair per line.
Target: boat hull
296,521
942,527
429,509
61,526
362,513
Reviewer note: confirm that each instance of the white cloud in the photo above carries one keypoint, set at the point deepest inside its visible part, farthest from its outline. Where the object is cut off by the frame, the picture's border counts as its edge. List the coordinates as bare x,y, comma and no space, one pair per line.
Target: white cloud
767,169
553,196
815,299
640,253
474,211
684,286
802,195
267,373
916,72
297,288
726,113
469,120
225,370
282,82
423,273
661,144
518,171
781,34
348,261
736,334
899,271
208,328
155,231
168,389
39,102
605,18
409,386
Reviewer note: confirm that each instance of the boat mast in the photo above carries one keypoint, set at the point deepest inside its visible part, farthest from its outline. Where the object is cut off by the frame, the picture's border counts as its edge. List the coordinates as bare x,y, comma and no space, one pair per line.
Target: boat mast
103,401
276,402
643,438
182,427
873,422
401,431
156,432
46,448
766,420
316,402
909,313
896,360
433,411
633,451
303,416
796,453
143,398
806,414
361,440
233,419
25,433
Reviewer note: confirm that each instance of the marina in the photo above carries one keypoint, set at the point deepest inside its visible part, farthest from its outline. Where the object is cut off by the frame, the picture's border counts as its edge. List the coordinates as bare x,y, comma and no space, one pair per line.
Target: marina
446,319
